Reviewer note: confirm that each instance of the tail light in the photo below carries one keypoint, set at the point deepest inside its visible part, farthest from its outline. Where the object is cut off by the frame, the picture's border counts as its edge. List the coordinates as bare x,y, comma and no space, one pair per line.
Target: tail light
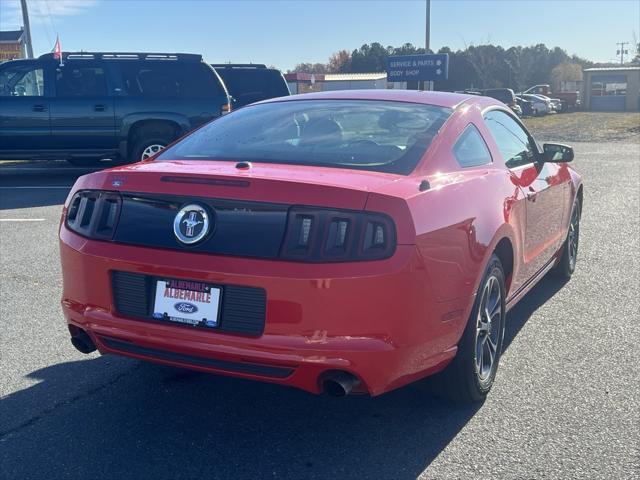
318,235
226,108
311,235
94,214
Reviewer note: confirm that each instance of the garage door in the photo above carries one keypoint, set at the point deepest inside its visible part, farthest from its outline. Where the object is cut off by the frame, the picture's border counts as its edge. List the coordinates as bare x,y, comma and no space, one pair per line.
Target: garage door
609,93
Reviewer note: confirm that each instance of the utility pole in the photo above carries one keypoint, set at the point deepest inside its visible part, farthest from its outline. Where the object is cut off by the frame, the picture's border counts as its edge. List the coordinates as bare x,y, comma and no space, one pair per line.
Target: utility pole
27,28
427,34
427,31
622,52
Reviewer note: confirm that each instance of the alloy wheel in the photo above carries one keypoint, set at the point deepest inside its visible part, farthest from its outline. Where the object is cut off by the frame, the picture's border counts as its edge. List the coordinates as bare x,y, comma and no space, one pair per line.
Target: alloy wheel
574,236
488,328
151,150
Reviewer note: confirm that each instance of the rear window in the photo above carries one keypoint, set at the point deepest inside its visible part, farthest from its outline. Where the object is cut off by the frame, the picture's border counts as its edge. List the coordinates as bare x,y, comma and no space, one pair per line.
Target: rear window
168,79
382,136
249,85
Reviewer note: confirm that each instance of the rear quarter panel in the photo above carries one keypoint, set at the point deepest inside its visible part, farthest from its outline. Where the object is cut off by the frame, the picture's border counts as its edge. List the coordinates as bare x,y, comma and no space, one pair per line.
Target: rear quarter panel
460,219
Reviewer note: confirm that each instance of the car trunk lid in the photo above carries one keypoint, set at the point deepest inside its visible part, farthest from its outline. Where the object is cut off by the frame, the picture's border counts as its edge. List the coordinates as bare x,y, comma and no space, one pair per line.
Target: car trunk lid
276,183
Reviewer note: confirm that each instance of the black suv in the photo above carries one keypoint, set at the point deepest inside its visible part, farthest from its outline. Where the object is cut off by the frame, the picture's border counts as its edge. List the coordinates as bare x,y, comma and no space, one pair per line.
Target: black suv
122,106
251,82
505,95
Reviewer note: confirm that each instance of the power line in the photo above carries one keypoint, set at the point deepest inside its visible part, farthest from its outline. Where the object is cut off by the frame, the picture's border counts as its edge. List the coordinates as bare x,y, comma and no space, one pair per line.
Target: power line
54,31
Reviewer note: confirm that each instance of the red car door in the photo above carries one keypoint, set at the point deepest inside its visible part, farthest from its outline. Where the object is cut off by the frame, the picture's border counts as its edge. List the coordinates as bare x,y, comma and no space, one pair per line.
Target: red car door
543,191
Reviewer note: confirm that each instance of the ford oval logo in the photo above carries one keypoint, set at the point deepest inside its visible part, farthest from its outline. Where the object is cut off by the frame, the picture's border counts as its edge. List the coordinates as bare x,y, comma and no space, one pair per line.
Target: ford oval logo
185,307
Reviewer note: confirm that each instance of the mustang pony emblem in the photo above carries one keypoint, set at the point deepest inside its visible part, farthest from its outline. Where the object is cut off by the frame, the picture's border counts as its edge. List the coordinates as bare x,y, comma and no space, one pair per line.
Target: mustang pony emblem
191,224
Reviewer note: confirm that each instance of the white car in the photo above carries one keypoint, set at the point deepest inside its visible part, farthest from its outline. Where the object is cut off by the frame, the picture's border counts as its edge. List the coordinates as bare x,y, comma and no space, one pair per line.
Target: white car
556,103
541,105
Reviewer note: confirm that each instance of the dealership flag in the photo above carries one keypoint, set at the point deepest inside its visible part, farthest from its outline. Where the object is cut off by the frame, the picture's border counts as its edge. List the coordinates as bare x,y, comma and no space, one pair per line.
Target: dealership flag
57,50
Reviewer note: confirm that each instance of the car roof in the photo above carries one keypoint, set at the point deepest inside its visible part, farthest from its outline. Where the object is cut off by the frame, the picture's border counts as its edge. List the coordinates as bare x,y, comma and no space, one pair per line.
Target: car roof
439,99
192,57
497,90
240,66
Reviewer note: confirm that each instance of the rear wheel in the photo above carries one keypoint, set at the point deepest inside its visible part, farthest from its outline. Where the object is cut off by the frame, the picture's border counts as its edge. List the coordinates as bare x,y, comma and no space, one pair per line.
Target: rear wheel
470,376
149,140
567,264
147,147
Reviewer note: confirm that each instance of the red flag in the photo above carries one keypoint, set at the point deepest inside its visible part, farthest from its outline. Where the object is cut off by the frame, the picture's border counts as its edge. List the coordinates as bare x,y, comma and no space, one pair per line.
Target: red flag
57,50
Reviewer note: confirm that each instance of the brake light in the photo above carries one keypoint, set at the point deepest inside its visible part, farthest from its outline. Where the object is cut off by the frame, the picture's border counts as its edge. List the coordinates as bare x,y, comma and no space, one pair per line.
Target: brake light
94,213
320,235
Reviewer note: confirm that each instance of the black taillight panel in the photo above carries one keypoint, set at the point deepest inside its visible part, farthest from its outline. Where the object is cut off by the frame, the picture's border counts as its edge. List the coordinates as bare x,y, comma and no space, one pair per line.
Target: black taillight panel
321,235
246,229
94,213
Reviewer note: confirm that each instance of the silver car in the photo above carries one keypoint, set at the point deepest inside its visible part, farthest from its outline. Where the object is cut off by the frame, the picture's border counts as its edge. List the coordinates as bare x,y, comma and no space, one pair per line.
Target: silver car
541,105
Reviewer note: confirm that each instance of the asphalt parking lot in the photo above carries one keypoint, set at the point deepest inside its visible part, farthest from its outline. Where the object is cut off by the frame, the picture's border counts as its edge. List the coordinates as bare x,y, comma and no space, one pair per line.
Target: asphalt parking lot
565,404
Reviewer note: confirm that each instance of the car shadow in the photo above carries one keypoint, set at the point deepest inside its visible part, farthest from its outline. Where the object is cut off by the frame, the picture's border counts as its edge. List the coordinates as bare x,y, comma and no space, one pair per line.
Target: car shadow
21,188
11,199
38,183
522,311
150,421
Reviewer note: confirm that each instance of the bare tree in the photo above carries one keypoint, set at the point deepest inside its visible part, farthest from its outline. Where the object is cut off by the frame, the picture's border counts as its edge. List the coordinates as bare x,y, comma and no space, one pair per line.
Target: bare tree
565,72
339,62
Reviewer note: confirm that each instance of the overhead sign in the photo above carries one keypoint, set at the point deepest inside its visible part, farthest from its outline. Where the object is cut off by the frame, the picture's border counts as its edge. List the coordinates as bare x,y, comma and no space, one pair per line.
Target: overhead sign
407,68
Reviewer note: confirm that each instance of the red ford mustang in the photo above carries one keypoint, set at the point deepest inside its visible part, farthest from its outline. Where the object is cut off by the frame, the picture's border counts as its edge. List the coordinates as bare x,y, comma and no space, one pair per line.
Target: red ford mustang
347,242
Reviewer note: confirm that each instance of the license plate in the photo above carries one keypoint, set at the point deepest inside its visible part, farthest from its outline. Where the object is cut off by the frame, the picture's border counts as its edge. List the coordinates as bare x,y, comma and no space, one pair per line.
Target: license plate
187,302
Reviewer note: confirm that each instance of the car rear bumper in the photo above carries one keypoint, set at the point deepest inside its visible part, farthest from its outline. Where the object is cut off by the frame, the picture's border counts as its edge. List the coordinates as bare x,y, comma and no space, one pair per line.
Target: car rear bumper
375,320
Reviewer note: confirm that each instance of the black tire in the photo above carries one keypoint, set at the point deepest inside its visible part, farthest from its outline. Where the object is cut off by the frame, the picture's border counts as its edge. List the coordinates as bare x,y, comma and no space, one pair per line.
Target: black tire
567,263
142,146
155,134
466,379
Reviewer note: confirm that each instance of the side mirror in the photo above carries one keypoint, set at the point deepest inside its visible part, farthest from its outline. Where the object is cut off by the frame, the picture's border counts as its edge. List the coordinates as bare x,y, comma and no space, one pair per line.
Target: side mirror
557,153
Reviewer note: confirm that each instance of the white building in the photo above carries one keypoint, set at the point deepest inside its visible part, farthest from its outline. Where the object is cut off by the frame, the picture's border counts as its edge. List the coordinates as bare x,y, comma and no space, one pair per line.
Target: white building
306,83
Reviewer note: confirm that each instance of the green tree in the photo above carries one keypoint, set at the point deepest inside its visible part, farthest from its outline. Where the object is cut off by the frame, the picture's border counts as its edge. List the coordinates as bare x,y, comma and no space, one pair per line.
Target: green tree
370,58
475,67
408,49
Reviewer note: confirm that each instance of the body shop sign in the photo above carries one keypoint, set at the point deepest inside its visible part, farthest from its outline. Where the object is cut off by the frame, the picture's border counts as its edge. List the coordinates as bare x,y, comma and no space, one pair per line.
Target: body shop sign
407,68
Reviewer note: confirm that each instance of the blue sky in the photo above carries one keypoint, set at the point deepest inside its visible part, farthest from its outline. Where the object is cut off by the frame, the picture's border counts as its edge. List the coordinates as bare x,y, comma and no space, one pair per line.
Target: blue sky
284,33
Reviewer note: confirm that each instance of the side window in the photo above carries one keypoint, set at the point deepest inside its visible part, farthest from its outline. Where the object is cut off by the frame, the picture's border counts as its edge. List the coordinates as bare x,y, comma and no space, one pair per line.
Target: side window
470,149
77,81
204,81
22,81
513,142
127,70
168,79
157,80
